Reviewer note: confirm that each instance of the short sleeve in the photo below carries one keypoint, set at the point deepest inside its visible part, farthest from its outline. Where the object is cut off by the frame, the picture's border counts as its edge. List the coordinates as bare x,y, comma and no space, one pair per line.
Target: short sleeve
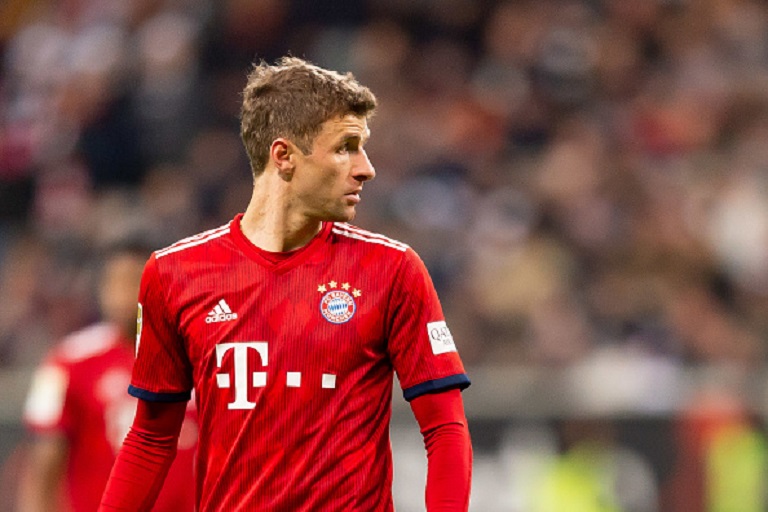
162,372
47,408
420,344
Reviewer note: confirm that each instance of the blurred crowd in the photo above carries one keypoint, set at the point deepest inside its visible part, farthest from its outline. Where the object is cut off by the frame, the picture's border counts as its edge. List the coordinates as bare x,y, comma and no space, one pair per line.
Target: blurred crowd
583,178
577,175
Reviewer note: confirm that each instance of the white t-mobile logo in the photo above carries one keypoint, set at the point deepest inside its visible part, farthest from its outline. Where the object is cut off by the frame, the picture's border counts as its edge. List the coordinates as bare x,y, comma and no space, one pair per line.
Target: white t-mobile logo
240,358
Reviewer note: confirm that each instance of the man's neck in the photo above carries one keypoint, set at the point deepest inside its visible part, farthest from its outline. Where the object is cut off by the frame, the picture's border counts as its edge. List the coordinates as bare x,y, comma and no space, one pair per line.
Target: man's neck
127,332
271,225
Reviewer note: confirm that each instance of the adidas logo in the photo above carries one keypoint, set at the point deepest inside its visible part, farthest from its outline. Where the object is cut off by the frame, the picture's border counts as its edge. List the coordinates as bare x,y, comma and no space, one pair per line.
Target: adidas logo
221,313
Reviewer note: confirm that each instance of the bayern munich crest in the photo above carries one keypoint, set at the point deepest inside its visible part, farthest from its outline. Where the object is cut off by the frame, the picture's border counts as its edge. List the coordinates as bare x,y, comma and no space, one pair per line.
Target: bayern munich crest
337,305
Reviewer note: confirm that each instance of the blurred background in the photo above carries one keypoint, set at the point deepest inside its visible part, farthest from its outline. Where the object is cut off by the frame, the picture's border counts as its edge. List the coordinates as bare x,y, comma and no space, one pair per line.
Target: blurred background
587,182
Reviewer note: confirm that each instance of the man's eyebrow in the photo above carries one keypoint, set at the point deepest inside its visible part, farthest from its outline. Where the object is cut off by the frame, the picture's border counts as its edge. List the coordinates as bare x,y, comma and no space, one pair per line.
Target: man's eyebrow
362,137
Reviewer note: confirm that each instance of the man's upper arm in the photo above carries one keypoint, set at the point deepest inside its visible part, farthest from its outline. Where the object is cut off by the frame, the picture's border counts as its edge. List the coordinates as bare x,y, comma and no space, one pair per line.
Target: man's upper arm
420,344
46,409
162,371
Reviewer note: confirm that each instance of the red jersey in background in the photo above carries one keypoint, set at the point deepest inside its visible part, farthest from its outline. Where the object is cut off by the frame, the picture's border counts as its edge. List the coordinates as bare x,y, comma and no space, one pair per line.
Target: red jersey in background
79,393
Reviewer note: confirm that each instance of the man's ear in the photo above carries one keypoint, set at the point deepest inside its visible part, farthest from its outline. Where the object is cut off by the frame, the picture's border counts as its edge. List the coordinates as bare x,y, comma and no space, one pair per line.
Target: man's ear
282,153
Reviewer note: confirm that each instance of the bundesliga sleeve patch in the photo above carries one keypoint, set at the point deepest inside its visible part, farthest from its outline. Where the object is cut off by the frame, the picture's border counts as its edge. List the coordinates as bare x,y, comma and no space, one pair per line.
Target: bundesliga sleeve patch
440,337
139,324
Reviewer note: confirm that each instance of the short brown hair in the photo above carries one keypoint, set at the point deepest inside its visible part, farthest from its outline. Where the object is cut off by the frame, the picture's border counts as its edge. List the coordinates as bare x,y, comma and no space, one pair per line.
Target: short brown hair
293,99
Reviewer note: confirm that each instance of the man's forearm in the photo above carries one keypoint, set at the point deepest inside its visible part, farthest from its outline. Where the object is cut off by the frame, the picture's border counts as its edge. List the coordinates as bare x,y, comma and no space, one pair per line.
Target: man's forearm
143,461
449,450
449,468
42,475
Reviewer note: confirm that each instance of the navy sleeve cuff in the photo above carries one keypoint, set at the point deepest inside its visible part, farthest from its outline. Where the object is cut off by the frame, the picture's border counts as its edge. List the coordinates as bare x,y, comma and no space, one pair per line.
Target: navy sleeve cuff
459,381
150,396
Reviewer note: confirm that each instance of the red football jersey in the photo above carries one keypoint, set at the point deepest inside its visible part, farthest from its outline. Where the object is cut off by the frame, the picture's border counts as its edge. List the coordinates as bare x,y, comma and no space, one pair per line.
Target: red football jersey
292,362
79,392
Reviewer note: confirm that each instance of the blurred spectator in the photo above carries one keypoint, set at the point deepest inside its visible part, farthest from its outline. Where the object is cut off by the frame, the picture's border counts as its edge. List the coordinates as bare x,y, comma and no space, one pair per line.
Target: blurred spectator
594,474
722,462
23,337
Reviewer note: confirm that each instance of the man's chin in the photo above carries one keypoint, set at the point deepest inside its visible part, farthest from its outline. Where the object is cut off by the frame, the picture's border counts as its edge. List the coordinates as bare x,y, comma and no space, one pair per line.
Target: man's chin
344,216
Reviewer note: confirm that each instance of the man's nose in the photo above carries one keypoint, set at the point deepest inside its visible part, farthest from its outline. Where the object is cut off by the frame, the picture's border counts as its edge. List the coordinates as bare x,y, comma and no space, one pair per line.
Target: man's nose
363,170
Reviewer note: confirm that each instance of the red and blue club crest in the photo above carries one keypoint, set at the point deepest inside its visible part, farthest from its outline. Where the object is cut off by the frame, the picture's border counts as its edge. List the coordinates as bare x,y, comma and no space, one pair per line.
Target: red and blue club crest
337,306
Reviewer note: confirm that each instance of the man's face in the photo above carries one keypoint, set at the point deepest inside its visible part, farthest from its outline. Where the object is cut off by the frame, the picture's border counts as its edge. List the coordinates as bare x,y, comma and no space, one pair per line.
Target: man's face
327,182
119,288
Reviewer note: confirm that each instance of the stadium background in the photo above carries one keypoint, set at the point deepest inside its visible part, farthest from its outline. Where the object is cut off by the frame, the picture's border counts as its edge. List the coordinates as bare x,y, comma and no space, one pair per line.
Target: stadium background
587,181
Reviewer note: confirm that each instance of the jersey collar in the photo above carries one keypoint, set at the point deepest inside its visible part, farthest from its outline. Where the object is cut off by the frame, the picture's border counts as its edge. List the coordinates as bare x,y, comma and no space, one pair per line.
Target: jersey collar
277,262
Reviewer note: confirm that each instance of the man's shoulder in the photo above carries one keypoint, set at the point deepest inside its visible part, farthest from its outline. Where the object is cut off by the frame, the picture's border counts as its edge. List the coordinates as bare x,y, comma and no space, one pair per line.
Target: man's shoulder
191,247
365,239
87,343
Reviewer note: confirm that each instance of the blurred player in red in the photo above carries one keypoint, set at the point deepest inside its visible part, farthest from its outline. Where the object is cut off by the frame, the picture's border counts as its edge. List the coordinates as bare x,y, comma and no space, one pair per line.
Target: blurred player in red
79,412
289,324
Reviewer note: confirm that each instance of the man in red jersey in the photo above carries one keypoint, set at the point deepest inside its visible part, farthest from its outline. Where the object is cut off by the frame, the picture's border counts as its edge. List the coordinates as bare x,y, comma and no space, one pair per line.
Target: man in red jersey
79,411
289,324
